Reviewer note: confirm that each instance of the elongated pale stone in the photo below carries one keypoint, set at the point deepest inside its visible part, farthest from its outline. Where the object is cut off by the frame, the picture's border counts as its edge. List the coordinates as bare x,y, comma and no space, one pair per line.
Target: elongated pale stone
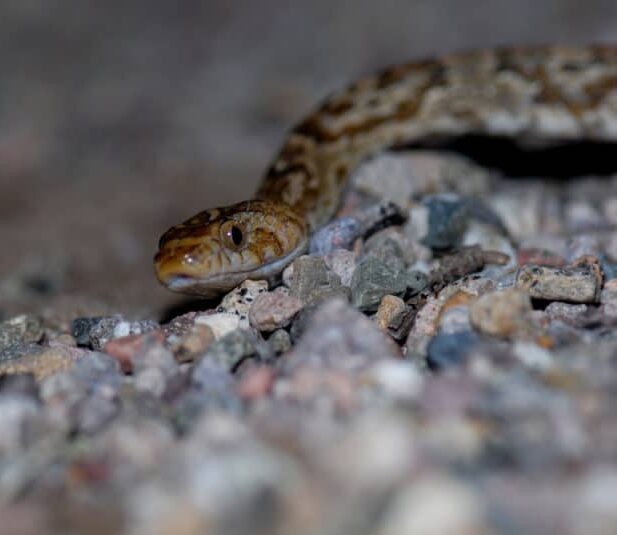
577,285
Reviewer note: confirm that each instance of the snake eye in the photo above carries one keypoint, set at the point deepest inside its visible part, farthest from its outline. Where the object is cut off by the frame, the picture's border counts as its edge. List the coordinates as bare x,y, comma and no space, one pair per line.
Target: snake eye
232,235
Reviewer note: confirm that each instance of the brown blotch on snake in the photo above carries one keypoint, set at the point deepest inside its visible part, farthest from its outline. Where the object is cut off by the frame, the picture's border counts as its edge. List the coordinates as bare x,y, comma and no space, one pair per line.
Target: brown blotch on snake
553,93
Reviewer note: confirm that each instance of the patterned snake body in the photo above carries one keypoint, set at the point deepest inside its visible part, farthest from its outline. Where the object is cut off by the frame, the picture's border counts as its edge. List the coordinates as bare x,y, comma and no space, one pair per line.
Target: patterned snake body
545,93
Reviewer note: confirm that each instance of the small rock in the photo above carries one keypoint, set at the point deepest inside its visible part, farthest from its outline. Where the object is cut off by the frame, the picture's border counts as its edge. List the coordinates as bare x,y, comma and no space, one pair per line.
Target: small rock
373,279
340,337
539,257
445,350
103,329
503,313
221,324
608,298
194,343
256,382
395,317
447,221
240,300
578,285
532,355
153,354
568,313
25,329
342,263
312,281
338,234
97,410
280,342
398,379
152,380
386,249
274,310
582,245
44,362
230,350
123,349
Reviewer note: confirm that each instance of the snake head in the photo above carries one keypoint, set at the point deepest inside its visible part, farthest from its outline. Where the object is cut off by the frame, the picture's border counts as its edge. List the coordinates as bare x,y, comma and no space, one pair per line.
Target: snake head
215,250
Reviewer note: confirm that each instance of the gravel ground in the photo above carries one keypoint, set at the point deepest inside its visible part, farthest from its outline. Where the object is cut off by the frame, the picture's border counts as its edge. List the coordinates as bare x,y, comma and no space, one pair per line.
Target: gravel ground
452,372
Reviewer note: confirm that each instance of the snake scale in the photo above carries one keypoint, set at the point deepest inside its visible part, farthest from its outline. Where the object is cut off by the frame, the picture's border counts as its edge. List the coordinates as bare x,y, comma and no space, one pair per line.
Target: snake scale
556,93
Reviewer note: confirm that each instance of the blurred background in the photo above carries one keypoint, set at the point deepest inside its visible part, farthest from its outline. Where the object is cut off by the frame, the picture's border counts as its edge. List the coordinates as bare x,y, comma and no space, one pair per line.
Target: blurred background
121,118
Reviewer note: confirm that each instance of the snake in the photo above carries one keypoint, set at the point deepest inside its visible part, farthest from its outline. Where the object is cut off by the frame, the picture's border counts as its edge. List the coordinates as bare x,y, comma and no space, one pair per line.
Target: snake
550,93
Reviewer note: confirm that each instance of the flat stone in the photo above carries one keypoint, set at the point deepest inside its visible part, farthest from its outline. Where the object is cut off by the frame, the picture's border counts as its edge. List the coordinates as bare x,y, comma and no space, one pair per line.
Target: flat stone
574,284
273,310
313,281
221,323
567,312
44,362
503,313
374,279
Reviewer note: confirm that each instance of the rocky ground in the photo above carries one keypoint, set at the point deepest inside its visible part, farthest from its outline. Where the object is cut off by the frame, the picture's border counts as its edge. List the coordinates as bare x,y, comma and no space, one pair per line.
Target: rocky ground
444,362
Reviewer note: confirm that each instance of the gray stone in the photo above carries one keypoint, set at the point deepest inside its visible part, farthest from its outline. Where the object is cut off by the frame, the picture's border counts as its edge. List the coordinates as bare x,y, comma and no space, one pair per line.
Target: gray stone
25,329
445,350
312,281
273,310
447,221
373,279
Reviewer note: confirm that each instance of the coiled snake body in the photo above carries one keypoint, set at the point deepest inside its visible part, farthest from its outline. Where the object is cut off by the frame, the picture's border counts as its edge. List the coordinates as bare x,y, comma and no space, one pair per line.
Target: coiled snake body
552,93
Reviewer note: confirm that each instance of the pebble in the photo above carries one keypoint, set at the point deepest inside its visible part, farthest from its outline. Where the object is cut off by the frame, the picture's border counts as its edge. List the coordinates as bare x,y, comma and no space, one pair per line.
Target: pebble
342,263
96,332
193,343
123,349
312,281
338,234
273,310
448,219
372,280
504,313
539,257
446,350
532,355
240,300
221,324
25,329
230,350
608,298
338,336
577,285
280,341
395,317
153,354
567,312
44,362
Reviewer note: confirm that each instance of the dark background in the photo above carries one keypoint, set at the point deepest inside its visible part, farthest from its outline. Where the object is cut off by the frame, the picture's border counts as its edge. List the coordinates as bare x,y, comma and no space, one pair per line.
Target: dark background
118,119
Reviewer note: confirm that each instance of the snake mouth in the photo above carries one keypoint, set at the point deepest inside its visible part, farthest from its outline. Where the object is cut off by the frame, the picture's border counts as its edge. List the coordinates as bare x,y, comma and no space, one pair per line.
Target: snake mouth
210,286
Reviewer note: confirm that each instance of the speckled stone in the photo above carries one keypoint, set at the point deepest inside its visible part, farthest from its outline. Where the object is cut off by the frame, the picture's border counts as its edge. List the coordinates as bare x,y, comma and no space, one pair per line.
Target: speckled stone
240,300
503,313
103,329
373,279
578,285
273,310
608,298
567,312
24,329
